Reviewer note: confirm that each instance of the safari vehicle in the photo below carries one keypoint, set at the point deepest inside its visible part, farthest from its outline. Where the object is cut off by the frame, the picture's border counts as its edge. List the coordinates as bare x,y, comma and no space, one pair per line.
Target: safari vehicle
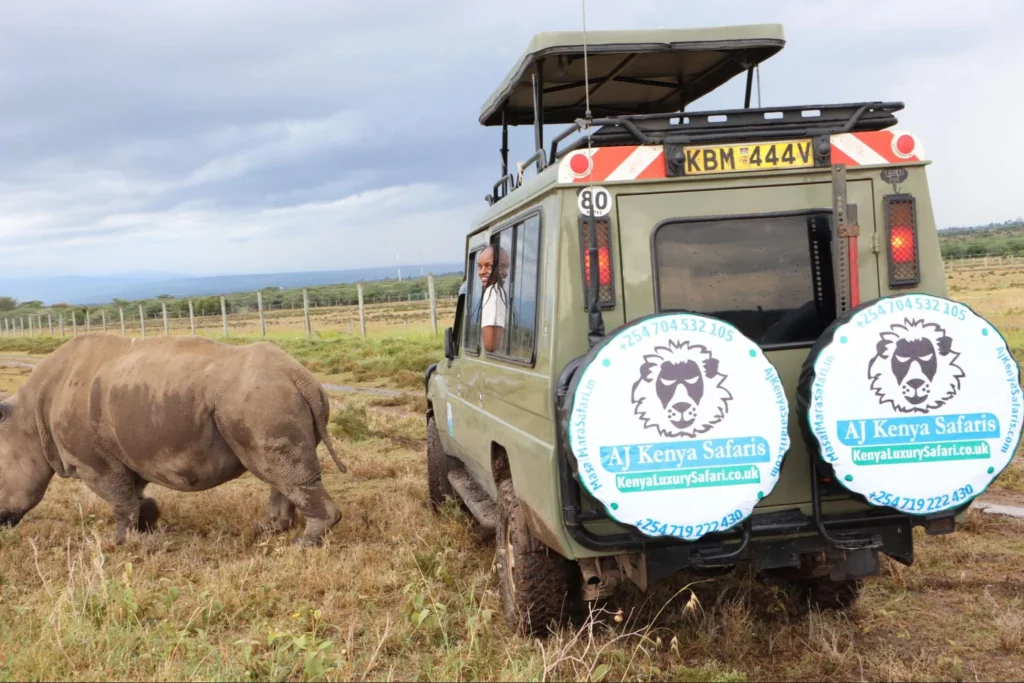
767,228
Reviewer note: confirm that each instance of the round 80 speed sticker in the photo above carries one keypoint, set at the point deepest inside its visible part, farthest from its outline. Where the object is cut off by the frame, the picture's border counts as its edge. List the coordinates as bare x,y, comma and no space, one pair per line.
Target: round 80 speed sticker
596,197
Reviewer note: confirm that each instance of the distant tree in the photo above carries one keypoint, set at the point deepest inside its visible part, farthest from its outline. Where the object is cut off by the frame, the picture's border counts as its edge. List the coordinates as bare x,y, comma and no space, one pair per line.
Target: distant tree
8,303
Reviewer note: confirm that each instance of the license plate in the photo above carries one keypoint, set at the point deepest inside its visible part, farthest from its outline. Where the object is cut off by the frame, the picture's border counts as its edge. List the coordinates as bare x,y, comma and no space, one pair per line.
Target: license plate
708,159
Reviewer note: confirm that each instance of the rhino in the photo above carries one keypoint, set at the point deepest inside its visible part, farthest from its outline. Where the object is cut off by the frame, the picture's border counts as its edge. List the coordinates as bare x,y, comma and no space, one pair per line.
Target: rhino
186,413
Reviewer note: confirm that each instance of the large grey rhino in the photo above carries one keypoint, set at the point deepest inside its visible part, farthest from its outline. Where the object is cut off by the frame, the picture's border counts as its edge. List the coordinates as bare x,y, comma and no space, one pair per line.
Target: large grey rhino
187,413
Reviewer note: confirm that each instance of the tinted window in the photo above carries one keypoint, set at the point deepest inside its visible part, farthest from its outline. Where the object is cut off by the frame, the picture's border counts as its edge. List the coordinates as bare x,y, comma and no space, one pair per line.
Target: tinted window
472,339
522,329
770,276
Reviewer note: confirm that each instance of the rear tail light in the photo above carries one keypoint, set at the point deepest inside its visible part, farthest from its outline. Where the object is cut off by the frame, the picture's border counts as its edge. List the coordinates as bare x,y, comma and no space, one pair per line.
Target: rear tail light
901,230
606,290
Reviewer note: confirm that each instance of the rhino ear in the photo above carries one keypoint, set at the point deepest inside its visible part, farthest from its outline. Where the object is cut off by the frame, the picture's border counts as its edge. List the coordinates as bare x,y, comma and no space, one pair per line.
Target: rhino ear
5,411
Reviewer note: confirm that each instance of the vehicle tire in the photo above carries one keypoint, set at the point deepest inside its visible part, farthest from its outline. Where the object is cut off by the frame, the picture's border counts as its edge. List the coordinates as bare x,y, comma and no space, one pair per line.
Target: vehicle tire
538,586
826,594
438,485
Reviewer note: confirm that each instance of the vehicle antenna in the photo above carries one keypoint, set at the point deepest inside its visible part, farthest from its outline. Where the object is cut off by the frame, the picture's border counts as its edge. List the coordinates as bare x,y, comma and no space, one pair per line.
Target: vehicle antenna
595,319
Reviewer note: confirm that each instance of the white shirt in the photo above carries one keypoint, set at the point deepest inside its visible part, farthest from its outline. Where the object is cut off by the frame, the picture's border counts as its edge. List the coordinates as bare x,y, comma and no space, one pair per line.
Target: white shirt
493,309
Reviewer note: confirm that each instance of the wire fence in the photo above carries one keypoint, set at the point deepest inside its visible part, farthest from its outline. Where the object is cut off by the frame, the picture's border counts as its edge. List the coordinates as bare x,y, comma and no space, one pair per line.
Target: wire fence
313,319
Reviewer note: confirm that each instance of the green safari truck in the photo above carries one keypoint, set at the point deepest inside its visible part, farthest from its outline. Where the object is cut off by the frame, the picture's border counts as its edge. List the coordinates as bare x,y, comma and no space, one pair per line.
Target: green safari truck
692,339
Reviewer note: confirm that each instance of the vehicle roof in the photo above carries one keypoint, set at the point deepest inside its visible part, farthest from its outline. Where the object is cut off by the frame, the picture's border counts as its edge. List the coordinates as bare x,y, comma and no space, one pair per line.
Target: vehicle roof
631,72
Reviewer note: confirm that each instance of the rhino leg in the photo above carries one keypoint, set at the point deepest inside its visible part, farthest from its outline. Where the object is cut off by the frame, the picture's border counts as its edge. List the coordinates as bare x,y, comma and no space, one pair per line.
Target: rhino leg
117,487
282,453
318,508
149,511
280,515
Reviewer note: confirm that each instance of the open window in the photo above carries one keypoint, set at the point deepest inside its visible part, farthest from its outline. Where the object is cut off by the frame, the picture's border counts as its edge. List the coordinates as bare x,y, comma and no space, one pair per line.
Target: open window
471,340
514,296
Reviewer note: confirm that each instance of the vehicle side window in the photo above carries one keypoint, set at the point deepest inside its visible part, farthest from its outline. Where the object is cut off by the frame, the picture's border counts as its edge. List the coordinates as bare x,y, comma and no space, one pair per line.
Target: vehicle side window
496,298
770,276
522,327
472,306
460,318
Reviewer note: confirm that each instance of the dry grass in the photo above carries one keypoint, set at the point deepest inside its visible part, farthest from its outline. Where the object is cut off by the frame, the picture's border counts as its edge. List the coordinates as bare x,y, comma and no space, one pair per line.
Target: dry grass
401,593
998,295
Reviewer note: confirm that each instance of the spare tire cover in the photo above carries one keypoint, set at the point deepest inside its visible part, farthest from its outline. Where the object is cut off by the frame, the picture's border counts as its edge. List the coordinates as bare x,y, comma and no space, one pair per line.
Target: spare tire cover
678,424
914,400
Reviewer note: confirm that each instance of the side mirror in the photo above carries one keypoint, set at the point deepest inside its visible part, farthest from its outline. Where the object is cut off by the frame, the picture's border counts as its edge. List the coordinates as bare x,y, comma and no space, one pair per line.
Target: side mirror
449,345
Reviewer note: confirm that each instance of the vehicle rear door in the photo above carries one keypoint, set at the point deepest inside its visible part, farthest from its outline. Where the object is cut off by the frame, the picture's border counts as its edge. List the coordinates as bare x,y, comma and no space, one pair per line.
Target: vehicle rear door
757,256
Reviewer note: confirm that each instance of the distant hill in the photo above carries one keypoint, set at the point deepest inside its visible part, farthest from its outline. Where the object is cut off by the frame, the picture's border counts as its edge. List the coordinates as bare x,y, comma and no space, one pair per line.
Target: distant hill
103,289
1010,223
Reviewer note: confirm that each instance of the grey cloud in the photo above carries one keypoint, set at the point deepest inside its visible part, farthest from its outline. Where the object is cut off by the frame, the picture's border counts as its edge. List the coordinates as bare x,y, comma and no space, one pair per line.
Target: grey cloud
226,122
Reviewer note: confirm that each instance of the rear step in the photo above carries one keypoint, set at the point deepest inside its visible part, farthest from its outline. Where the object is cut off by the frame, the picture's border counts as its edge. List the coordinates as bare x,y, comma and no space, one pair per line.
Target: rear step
475,498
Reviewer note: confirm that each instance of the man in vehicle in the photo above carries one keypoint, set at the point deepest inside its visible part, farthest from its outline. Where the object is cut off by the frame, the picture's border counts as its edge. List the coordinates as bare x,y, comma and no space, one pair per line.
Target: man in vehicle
495,298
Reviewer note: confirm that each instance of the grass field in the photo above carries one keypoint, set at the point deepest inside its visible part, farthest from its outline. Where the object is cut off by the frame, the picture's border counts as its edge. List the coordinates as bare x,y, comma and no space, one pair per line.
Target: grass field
401,594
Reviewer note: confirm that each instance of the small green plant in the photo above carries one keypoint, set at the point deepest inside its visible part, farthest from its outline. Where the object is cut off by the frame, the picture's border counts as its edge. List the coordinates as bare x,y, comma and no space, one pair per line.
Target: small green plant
350,422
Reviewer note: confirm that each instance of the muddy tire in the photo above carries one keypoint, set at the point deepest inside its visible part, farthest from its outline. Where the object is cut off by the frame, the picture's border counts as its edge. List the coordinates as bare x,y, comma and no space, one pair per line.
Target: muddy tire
825,594
538,586
437,467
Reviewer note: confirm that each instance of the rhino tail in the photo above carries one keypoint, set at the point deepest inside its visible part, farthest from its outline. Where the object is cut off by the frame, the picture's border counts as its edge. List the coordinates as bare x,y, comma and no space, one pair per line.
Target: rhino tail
321,426
320,405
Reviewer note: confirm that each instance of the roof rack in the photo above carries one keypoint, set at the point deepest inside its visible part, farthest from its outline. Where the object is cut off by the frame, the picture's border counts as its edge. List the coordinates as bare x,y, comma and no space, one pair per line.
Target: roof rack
730,125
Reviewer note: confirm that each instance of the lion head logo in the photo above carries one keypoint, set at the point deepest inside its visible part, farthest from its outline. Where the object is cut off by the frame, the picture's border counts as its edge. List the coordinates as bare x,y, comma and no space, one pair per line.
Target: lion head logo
680,390
914,368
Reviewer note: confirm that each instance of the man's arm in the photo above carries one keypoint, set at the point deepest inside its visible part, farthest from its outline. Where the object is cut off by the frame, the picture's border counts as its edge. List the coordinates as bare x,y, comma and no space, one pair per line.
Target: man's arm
492,320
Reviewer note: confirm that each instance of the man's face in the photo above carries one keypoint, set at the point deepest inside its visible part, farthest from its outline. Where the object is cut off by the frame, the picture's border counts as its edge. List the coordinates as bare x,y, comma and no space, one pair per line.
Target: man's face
484,264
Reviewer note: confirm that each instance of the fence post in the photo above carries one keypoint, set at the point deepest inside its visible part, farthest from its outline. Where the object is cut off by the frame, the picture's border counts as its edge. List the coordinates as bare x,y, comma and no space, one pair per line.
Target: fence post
142,321
88,327
191,317
120,311
259,304
305,311
362,318
74,324
433,303
61,316
224,314
39,323
167,328
103,317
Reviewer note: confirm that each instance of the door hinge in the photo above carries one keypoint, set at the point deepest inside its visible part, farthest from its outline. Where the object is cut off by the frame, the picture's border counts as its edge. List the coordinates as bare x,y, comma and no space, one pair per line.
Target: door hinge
875,246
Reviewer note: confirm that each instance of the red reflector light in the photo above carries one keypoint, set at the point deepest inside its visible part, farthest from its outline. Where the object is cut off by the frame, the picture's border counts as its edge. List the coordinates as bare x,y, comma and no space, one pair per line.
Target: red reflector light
606,284
901,241
604,269
579,164
904,145
901,224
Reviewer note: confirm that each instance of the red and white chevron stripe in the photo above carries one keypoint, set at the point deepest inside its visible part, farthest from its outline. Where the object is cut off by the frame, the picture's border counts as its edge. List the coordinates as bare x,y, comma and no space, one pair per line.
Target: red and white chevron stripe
876,148
647,162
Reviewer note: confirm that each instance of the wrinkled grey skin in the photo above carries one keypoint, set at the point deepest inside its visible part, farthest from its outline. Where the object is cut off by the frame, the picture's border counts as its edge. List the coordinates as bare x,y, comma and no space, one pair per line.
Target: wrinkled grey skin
183,412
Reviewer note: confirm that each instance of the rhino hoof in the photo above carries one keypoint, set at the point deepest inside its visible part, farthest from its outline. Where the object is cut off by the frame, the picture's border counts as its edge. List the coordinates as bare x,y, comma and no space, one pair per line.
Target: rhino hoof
306,542
149,513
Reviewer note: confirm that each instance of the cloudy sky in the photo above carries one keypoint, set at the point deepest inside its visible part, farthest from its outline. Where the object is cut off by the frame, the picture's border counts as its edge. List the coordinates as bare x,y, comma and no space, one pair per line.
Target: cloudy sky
237,136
